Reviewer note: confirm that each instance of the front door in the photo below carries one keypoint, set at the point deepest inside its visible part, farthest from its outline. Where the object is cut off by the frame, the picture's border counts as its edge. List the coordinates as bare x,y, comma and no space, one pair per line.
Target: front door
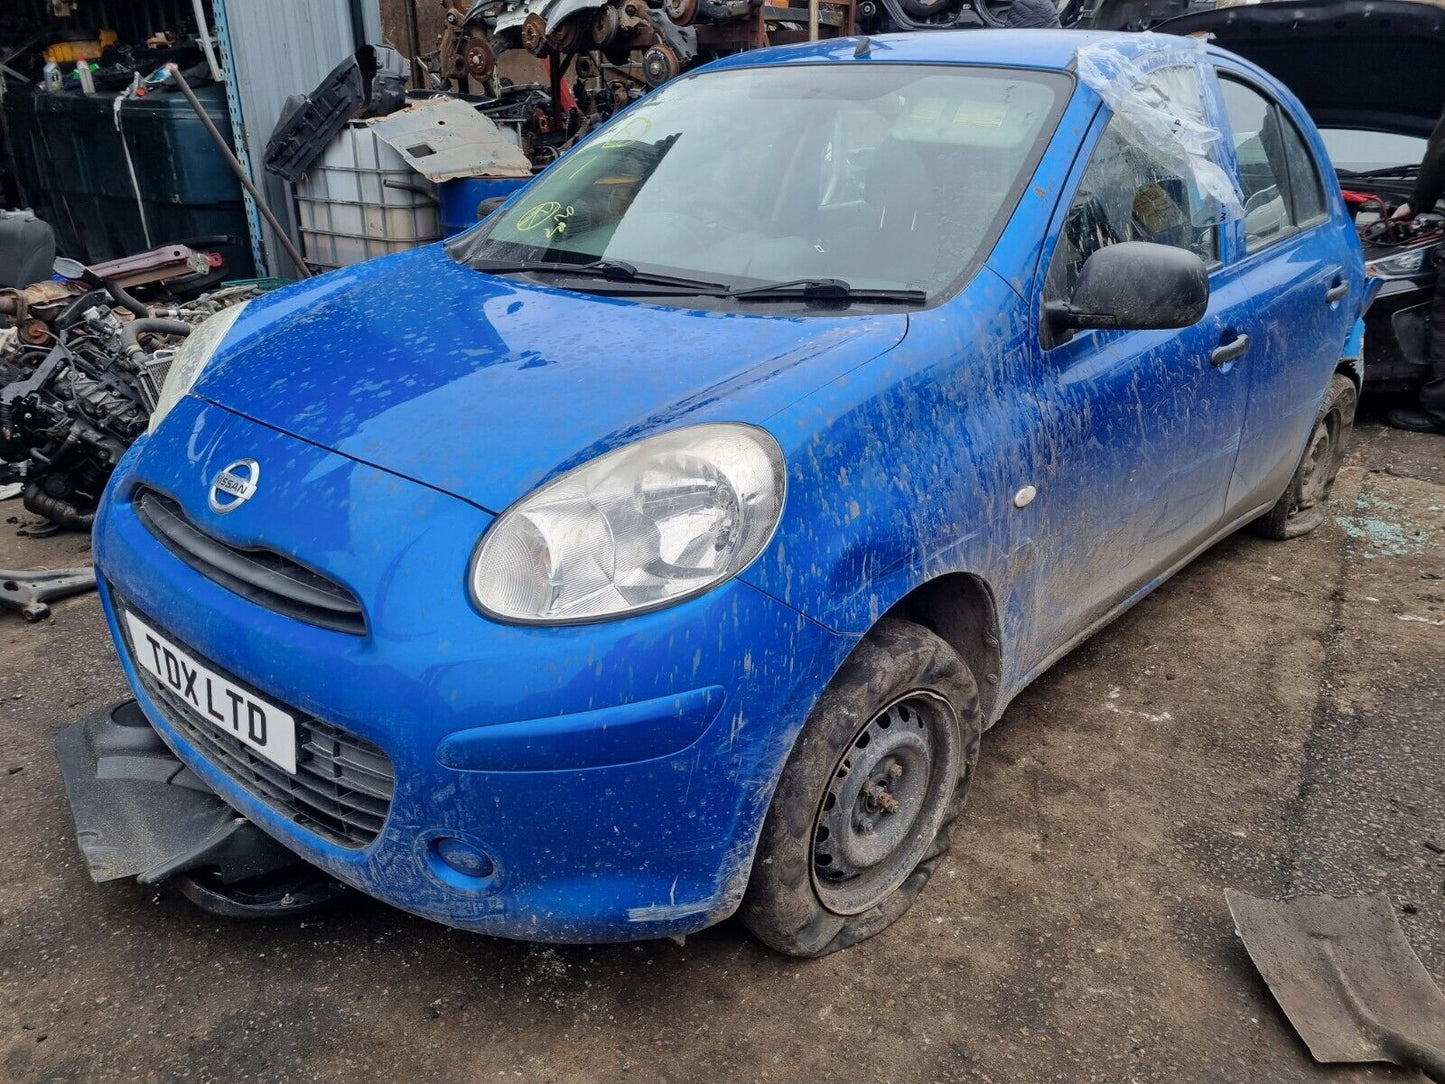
1142,426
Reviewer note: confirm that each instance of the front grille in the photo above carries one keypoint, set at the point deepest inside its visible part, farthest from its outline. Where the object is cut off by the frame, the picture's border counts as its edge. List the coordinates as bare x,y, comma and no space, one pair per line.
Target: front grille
265,577
343,785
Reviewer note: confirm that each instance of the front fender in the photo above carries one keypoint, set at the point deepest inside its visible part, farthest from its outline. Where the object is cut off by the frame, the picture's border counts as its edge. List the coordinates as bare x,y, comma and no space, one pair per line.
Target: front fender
905,469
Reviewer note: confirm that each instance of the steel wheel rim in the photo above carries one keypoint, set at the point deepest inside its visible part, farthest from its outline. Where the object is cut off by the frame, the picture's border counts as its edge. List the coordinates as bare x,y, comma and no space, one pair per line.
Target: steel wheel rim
884,802
1317,465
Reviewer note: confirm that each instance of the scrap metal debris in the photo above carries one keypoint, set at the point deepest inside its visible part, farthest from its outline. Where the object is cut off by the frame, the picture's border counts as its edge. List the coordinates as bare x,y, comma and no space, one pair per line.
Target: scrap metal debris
445,138
81,363
29,592
372,82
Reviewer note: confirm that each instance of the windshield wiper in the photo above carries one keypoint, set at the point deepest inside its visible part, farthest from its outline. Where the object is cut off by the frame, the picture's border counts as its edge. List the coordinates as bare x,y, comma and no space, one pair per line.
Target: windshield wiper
611,270
819,290
1383,171
826,290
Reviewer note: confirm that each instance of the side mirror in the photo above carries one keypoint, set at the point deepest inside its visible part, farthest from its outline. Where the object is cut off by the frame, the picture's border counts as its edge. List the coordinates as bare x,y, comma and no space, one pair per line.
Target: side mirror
1134,285
75,271
70,269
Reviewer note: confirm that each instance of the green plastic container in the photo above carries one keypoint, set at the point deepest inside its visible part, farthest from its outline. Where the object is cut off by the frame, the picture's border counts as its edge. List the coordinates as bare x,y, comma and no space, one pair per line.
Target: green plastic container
73,173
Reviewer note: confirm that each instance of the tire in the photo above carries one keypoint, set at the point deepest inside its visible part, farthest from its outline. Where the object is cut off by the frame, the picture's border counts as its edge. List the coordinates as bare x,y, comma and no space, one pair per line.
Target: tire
903,700
994,13
926,9
1302,507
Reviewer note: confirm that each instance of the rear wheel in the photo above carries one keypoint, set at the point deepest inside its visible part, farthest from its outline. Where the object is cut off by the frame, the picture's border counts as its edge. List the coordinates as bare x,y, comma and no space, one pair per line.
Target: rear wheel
1302,507
868,798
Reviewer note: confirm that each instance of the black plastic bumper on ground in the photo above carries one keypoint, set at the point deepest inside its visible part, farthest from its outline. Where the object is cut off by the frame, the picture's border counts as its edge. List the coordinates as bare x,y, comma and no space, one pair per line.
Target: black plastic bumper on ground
139,812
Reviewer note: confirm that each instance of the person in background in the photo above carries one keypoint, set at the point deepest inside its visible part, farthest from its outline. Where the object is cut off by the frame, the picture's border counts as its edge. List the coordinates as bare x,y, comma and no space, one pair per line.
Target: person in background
1032,15
1429,417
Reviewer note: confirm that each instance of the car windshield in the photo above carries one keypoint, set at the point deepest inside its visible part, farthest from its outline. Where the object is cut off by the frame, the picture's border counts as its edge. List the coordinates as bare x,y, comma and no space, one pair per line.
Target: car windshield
1356,149
882,176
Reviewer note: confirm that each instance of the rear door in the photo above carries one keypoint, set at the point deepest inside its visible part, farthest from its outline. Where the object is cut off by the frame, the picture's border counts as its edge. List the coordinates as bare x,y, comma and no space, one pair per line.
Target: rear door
1295,275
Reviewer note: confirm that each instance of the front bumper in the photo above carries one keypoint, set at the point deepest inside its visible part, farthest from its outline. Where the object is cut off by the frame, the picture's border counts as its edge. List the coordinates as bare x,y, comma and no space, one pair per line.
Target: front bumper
139,812
1397,347
614,775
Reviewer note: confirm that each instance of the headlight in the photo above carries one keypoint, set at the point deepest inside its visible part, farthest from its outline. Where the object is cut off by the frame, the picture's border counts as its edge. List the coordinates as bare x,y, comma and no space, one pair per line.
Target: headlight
191,358
638,528
1402,265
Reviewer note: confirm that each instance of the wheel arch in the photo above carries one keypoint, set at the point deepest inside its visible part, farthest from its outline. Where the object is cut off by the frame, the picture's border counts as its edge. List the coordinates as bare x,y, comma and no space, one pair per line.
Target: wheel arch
1352,357
1353,369
960,607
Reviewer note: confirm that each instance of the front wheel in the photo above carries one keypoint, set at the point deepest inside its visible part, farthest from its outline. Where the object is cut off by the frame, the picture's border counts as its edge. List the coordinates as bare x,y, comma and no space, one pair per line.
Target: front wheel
868,797
1302,507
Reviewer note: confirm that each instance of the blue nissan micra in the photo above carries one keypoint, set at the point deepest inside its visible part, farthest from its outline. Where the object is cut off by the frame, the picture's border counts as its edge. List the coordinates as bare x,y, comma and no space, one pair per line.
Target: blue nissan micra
659,548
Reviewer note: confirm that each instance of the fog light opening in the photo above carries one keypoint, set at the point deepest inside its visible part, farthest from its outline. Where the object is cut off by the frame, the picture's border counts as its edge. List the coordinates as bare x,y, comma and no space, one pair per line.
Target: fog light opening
462,857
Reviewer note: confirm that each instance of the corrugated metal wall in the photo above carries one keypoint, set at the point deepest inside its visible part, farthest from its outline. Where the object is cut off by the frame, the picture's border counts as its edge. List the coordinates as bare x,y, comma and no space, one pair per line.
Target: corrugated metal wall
285,47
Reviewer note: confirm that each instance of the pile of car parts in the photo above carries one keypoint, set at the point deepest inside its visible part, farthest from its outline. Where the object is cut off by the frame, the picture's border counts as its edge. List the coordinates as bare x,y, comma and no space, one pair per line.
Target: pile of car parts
622,47
81,365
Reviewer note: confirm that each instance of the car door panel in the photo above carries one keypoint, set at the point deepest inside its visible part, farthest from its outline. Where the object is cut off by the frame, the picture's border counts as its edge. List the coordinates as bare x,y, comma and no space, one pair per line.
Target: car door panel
1296,280
1143,431
1296,340
1143,438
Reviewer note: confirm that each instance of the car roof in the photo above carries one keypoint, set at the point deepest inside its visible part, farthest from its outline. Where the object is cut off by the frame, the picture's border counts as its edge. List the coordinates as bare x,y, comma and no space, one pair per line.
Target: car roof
1045,49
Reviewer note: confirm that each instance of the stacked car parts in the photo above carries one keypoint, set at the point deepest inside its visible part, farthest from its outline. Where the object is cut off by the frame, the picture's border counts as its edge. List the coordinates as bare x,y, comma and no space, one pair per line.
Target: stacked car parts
644,43
81,366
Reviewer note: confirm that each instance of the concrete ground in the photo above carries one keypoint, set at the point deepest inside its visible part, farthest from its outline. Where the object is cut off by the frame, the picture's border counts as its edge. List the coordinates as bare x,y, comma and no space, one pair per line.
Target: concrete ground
1272,719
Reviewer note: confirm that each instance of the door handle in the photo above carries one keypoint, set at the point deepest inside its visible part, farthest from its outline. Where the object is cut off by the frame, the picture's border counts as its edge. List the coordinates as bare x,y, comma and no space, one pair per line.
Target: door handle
1227,352
1337,288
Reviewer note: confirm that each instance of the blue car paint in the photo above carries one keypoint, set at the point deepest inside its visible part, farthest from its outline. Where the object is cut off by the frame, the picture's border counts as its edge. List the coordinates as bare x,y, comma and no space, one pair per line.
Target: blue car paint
403,403
630,848
526,368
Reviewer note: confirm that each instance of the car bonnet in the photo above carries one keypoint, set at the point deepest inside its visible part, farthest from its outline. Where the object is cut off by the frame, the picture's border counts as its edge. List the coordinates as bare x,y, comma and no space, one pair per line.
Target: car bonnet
483,386
1378,66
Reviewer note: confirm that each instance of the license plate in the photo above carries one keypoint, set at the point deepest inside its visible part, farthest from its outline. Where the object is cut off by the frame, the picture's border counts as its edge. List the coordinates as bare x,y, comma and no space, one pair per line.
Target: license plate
256,723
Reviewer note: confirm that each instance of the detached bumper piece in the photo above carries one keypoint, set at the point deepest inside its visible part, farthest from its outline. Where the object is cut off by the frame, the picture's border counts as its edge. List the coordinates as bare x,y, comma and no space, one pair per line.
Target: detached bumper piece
139,812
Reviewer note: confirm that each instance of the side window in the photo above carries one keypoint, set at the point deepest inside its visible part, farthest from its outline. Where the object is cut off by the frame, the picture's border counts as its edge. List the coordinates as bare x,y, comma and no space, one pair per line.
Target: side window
1277,173
1126,194
1307,194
